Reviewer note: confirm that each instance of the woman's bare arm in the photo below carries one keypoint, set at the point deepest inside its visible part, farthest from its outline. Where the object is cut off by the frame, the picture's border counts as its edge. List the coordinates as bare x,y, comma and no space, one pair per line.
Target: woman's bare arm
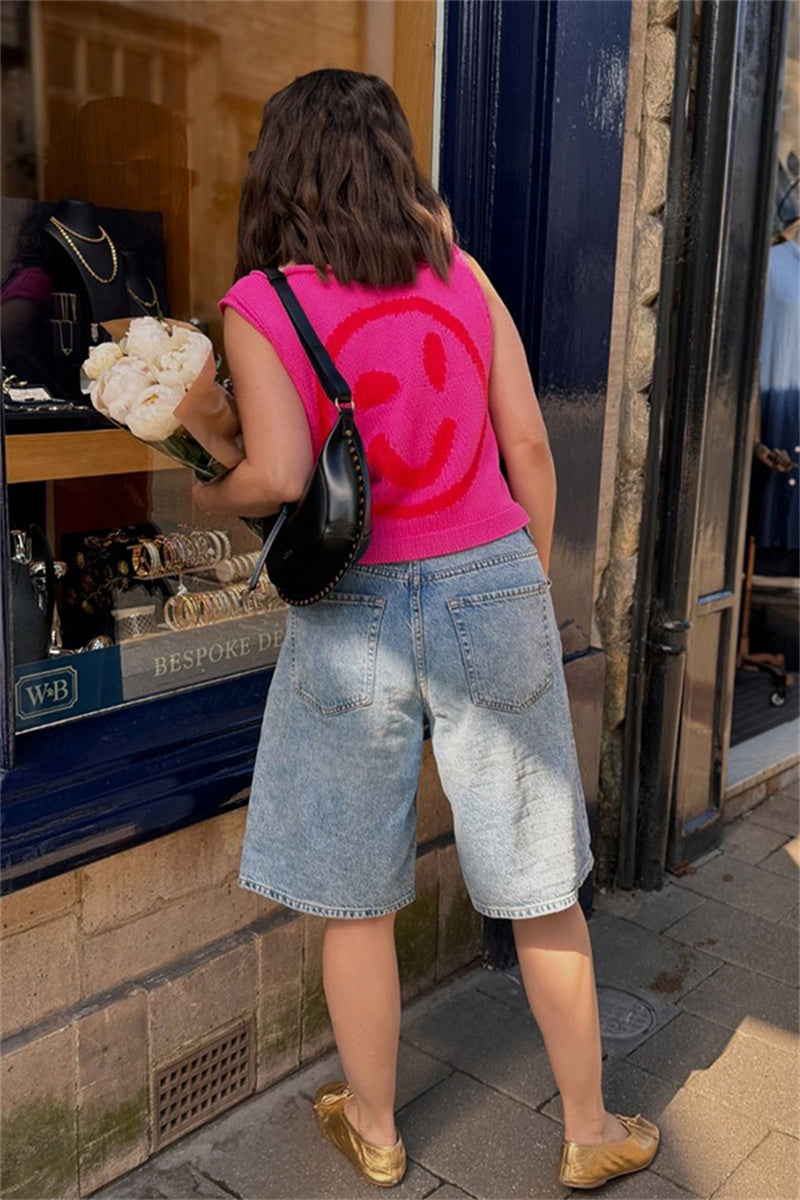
277,441
518,422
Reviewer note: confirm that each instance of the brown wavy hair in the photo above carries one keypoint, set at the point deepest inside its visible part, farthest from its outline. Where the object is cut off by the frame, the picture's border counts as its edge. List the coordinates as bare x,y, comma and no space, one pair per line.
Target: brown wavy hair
333,180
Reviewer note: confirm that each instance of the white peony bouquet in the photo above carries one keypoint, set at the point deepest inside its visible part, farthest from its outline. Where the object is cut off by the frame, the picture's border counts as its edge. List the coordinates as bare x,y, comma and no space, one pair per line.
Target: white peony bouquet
157,378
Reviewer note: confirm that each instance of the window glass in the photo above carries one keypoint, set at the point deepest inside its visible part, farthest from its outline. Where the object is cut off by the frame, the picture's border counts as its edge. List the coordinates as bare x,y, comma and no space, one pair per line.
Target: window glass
130,123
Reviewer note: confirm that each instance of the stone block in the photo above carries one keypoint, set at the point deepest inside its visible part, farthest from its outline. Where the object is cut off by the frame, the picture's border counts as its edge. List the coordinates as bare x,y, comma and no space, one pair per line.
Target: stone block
641,349
665,11
737,937
268,1147
39,903
416,928
616,684
654,910
742,886
634,432
749,842
653,164
771,1172
434,814
745,1001
40,972
279,950
483,1141
648,250
113,1105
659,71
741,803
153,941
615,599
780,812
757,1077
191,1003
625,955
39,1117
494,1042
460,925
144,879
315,1022
416,1072
785,860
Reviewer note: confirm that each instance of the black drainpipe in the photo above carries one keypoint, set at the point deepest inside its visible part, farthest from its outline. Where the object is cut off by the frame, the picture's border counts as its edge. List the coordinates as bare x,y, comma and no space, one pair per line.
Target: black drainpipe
692,220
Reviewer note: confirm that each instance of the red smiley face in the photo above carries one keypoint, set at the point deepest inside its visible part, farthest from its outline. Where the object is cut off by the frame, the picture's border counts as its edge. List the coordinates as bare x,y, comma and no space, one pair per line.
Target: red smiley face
425,452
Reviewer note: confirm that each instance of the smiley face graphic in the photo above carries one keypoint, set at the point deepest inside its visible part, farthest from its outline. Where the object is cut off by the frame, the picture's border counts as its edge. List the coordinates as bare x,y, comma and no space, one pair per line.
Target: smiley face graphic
421,459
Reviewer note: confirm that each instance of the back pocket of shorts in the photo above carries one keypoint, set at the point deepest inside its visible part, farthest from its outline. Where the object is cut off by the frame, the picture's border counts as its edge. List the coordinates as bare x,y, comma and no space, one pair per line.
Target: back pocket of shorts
505,644
334,650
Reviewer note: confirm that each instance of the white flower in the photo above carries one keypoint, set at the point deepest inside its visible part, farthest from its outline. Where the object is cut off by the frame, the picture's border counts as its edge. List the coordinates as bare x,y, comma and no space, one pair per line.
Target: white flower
120,387
146,339
101,358
182,360
152,417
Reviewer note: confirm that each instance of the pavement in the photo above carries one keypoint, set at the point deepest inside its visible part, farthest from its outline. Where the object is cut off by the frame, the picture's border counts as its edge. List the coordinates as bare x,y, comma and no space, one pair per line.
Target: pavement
697,986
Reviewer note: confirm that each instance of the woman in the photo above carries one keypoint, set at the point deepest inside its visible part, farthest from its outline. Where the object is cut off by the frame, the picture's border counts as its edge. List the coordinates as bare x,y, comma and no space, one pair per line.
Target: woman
447,614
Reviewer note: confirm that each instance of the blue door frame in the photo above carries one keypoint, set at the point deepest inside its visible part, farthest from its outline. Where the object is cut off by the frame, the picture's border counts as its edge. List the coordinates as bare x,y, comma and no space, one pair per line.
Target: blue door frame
533,108
530,164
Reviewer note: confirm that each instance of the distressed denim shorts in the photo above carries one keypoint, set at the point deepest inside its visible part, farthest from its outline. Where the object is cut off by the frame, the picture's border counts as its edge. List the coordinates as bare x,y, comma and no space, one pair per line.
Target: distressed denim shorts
470,639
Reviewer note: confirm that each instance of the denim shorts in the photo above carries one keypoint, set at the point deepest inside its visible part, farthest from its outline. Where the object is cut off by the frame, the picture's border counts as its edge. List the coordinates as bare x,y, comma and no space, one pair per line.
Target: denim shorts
470,639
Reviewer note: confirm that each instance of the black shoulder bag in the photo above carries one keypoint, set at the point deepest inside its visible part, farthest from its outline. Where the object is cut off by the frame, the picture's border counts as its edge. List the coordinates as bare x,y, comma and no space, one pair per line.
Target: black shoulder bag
312,541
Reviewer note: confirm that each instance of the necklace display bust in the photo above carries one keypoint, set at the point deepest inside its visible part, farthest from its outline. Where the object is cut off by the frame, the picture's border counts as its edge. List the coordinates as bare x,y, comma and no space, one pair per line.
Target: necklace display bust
75,228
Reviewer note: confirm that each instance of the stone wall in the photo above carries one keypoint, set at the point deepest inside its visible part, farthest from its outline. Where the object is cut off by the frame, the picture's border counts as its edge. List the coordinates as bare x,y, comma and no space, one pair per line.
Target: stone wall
632,352
113,971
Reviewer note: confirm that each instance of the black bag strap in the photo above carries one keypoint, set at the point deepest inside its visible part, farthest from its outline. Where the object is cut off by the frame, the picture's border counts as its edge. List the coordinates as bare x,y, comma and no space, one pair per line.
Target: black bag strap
332,382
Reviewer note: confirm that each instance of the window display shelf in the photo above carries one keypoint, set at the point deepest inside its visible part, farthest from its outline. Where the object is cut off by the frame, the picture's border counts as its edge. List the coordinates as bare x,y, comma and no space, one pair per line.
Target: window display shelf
32,458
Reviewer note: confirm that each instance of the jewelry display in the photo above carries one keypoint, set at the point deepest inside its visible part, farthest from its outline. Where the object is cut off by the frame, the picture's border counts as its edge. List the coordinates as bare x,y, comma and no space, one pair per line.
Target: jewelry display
191,610
146,304
68,235
170,554
135,622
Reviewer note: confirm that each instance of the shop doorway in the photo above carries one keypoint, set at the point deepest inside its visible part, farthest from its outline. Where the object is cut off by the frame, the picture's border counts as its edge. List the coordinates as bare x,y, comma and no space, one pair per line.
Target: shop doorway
726,116
766,697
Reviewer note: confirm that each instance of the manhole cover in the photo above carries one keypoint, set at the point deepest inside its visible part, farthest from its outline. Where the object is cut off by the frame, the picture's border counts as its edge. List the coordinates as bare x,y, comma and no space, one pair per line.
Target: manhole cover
622,1015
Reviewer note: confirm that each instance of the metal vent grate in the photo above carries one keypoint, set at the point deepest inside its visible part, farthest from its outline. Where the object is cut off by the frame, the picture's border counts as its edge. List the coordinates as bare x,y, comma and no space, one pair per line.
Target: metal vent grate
203,1083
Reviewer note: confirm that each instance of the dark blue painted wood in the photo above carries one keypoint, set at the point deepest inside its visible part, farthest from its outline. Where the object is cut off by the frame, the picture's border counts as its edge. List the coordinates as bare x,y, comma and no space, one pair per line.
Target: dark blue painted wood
84,788
531,155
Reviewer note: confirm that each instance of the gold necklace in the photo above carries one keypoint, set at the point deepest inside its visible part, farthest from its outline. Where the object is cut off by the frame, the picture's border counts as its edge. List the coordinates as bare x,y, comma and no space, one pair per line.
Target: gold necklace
145,303
65,233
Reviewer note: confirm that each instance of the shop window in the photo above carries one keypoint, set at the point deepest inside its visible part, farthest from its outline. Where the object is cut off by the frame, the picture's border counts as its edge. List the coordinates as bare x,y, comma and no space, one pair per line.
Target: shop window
130,124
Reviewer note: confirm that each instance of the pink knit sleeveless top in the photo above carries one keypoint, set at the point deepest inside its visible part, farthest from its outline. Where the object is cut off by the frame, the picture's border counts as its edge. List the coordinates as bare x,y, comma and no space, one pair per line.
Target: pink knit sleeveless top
417,359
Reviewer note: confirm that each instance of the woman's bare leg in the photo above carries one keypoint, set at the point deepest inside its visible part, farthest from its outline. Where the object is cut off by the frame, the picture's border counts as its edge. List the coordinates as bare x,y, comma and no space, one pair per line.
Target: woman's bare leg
555,958
362,989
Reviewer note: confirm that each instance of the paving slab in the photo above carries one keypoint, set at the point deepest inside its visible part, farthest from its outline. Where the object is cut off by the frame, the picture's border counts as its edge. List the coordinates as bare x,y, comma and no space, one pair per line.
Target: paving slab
483,1141
654,910
742,885
494,1042
771,1172
738,937
641,1185
688,1045
627,955
447,1191
269,1148
785,860
744,1000
416,1072
780,812
626,1089
154,1182
745,840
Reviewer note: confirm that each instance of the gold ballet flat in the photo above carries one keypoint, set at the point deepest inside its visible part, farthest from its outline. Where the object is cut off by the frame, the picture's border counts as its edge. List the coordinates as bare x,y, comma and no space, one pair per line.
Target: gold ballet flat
381,1165
589,1164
